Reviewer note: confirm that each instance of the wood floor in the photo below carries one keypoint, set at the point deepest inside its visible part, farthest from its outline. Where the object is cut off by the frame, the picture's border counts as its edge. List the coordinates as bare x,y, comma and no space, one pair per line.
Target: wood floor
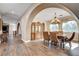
16,47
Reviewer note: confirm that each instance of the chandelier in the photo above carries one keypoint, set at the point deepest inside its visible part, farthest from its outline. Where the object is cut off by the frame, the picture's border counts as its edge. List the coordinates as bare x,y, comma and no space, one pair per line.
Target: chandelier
55,20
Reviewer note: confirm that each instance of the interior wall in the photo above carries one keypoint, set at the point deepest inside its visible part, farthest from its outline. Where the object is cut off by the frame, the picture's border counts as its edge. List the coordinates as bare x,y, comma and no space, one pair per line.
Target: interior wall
12,28
26,30
18,28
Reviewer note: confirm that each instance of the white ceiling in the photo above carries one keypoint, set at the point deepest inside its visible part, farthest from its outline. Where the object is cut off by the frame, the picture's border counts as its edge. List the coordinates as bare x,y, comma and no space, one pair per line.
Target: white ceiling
49,14
12,11
74,7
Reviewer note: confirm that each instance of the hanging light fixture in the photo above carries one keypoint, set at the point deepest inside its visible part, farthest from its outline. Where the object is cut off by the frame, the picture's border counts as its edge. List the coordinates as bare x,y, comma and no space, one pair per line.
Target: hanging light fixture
55,20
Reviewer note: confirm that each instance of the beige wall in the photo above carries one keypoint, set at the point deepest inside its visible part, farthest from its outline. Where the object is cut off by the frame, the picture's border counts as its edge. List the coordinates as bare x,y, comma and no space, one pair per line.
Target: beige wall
12,28
25,27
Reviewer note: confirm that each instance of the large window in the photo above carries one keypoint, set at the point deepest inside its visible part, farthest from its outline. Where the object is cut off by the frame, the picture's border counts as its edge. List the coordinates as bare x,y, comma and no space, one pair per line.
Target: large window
53,27
70,26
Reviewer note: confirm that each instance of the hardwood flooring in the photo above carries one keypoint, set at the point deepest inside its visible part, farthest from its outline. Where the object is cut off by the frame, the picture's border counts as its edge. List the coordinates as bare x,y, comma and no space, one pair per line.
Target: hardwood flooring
16,47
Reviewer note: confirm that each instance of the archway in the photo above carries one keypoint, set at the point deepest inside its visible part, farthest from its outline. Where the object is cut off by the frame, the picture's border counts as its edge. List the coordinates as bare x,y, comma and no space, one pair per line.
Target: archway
18,27
39,8
18,30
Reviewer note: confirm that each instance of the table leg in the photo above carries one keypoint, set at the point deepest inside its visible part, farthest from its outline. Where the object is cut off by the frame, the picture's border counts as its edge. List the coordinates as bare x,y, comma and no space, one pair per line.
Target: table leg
61,44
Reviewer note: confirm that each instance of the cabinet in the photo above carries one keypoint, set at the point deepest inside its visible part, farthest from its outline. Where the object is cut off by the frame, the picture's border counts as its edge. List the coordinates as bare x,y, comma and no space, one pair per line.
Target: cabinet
37,29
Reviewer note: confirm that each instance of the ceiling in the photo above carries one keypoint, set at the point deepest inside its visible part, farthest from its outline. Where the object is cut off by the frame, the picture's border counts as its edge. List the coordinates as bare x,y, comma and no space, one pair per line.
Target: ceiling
12,12
48,14
74,7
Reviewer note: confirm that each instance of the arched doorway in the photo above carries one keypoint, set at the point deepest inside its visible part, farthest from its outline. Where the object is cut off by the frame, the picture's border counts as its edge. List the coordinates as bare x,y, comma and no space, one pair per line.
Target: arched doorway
46,16
18,30
33,11
42,7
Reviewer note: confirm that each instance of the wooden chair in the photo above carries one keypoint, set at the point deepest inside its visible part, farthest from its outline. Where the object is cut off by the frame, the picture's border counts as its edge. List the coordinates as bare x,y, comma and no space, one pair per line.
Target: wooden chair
46,36
4,37
53,38
68,40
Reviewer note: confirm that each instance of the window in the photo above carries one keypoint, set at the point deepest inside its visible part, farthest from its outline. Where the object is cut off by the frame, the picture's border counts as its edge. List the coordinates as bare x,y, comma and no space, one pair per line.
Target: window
70,26
53,27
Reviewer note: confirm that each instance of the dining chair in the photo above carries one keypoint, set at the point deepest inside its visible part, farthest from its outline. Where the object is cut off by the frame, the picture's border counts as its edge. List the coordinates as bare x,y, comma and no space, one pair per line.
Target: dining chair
53,38
4,38
46,36
66,40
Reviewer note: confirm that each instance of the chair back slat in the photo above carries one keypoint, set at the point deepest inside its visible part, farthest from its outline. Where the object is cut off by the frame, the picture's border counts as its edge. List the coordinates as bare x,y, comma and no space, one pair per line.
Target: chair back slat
46,36
53,36
72,37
